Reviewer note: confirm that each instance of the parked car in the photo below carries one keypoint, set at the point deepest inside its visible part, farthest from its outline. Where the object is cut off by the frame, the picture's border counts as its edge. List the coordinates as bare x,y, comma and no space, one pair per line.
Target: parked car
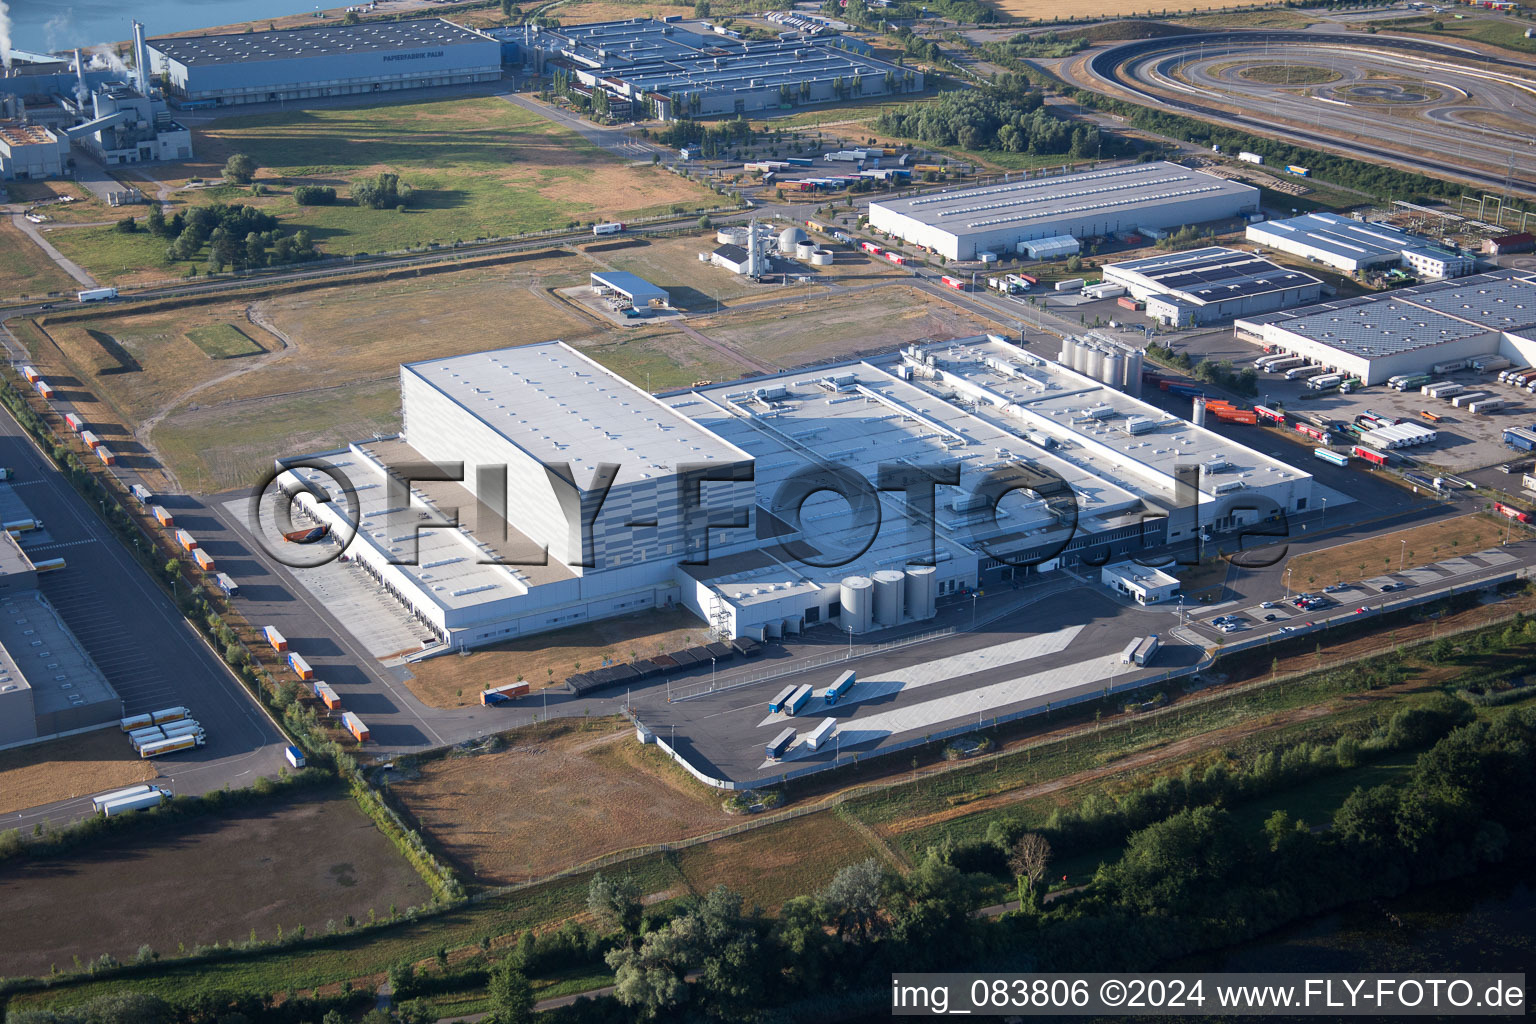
1388,586
1270,618
1361,610
1267,604
1334,588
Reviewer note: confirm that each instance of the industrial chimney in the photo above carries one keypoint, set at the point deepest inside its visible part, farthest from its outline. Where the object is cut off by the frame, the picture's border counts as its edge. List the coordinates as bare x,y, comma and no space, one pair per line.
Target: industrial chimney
140,60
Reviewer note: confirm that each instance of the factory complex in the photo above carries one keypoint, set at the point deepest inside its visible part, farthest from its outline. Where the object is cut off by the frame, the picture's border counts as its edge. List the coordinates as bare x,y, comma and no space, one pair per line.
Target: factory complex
1201,286
963,223
669,69
1408,330
117,122
49,686
1356,245
583,497
265,67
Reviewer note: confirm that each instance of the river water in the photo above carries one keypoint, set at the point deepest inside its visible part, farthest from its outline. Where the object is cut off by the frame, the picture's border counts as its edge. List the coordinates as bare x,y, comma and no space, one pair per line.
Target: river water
49,25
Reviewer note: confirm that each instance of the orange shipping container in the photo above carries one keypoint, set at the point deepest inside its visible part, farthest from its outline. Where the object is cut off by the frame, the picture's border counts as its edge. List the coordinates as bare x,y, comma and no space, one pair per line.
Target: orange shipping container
203,559
162,517
274,638
106,455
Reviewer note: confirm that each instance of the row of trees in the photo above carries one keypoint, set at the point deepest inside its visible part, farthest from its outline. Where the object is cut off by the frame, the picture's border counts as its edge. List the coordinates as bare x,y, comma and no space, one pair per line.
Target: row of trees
236,236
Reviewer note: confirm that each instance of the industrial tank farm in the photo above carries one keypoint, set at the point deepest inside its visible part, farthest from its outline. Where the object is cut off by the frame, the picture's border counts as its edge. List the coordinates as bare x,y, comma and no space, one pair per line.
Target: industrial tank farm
1412,102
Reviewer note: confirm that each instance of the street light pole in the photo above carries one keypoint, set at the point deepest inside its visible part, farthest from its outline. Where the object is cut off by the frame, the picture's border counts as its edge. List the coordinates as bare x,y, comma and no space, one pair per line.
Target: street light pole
1402,553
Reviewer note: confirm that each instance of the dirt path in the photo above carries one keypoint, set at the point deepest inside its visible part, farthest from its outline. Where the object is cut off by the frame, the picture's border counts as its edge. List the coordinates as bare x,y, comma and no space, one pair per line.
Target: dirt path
67,265
729,353
257,319
1141,759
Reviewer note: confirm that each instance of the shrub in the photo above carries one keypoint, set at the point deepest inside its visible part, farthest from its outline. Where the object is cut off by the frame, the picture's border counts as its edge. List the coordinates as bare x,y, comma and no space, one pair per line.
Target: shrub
314,195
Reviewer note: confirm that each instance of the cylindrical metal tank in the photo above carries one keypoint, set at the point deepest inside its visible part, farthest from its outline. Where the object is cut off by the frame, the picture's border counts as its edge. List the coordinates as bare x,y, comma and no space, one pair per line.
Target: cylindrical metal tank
1198,416
1133,372
922,594
1065,359
791,237
821,257
804,250
1093,364
857,593
889,595
1114,370
731,236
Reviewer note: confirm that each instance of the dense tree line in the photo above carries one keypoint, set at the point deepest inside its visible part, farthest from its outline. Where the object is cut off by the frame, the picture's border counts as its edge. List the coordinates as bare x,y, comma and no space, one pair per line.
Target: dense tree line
237,236
714,139
314,195
1009,116
383,191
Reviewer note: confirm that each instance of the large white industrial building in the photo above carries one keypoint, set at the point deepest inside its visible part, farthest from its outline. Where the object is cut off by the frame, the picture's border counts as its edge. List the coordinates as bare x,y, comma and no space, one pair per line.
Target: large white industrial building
1354,245
1202,286
1409,330
265,67
540,430
669,69
1156,196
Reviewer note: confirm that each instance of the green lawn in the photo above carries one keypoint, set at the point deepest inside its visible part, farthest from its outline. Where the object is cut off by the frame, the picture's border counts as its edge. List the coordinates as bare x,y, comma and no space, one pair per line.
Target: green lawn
1493,31
25,270
223,341
479,167
112,257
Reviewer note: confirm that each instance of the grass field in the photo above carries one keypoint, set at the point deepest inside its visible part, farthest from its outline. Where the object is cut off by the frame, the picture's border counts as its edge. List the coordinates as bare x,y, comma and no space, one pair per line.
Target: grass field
552,657
770,865
478,167
115,258
582,12
1374,556
168,361
826,327
1280,74
314,859
223,341
25,270
72,767
1493,31
559,796
218,447
1279,18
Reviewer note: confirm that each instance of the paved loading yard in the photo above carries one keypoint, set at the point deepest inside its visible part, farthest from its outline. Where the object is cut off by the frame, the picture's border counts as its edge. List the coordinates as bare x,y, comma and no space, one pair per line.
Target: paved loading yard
1044,652
137,638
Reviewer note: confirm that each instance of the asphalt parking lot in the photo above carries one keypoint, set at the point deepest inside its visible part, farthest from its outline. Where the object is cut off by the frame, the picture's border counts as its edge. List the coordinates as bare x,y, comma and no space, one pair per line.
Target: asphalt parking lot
147,651
1044,654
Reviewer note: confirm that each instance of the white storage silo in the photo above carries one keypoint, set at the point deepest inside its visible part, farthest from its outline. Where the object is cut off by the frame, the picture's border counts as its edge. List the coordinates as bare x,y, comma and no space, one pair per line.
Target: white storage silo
1065,359
805,250
731,236
821,257
922,591
1133,363
857,594
1198,415
1114,370
789,238
1093,364
889,595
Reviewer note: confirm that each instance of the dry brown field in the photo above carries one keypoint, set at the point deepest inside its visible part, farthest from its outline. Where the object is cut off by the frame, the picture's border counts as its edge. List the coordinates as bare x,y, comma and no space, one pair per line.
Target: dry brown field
1410,548
75,766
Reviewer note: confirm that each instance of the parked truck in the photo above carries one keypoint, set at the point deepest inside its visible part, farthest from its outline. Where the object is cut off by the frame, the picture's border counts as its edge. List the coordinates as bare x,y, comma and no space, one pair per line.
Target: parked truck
153,718
143,495
326,694
839,687
98,802
294,755
781,700
162,516
1146,650
275,639
173,745
139,802
780,743
819,735
300,666
355,726
503,694
186,541
798,699
203,559
229,586
97,294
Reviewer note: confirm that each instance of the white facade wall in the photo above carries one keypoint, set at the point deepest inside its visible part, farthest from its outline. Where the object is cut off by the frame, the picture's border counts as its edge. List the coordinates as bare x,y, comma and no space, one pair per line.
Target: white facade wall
1379,369
960,243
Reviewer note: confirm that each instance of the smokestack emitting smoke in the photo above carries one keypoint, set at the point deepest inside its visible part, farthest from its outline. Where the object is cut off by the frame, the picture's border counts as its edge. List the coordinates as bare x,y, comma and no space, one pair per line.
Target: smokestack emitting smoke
5,35
81,92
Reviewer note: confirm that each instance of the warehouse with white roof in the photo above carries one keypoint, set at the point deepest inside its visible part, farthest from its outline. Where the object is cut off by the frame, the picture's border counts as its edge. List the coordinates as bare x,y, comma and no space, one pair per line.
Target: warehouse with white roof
266,67
1408,330
1202,286
961,223
1354,245
577,496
